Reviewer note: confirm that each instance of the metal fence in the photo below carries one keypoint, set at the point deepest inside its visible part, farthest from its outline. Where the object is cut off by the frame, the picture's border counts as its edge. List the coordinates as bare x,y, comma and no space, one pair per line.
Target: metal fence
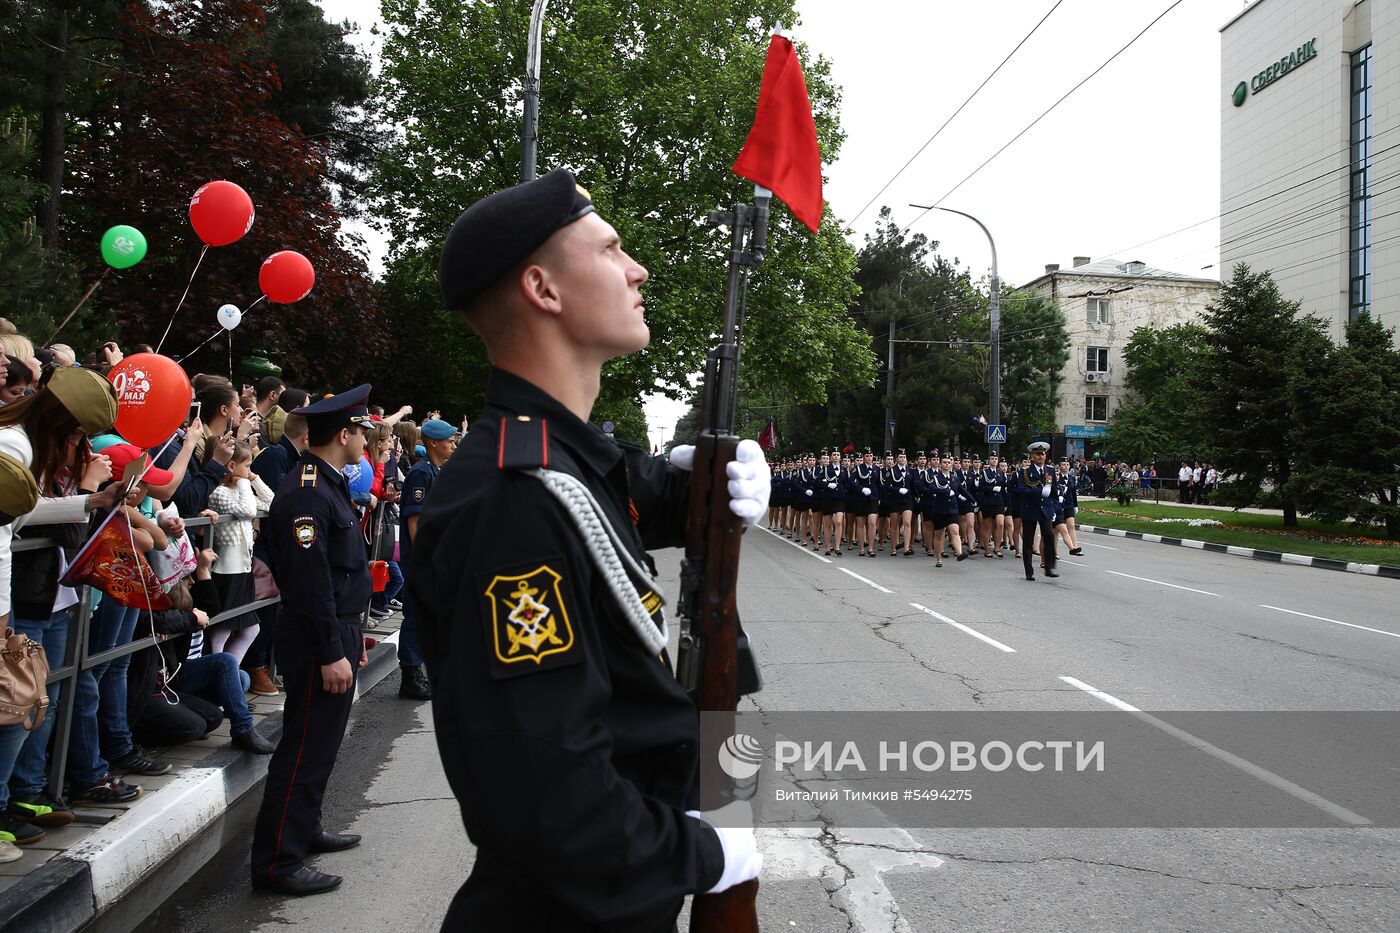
77,658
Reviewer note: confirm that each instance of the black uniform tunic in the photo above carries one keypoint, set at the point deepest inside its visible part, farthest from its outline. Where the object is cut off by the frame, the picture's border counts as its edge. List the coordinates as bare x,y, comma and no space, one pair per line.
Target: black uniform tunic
570,746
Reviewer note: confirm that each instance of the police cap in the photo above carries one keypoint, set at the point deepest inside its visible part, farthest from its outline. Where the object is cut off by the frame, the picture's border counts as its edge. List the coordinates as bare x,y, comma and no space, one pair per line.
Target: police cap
349,409
1037,445
501,230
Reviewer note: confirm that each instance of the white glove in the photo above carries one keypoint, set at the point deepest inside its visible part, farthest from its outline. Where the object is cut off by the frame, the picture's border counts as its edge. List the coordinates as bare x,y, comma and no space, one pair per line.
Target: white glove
807,491
1045,492
749,482
830,485
996,489
733,824
865,490
903,491
683,456
1062,500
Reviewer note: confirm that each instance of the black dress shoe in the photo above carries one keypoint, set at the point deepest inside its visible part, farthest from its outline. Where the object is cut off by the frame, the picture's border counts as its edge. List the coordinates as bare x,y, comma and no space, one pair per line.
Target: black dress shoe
334,842
1051,573
299,883
250,741
1030,576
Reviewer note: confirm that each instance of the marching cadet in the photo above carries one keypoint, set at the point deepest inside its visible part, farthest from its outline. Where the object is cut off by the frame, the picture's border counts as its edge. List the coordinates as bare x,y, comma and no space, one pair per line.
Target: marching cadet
967,503
1035,489
810,524
901,505
852,491
1014,504
570,746
865,480
920,463
991,504
941,501
831,486
1067,504
775,500
886,503
320,564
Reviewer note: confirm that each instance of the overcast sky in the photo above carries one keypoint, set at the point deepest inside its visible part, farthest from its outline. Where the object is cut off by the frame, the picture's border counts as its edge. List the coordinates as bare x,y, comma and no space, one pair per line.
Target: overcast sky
1128,159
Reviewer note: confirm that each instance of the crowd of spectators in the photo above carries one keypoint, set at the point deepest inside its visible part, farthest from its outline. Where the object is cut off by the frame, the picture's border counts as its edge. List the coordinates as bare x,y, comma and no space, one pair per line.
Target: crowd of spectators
195,517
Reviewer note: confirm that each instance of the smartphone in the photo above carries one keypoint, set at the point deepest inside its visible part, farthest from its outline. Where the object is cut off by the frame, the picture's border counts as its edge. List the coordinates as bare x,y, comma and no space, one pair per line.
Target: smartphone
194,412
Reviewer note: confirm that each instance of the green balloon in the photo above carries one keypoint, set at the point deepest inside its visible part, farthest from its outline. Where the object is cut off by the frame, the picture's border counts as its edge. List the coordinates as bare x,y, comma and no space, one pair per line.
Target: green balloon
123,246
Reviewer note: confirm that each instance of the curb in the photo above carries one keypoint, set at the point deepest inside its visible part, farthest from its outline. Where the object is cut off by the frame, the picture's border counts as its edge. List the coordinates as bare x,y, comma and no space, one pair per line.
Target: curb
73,889
1277,557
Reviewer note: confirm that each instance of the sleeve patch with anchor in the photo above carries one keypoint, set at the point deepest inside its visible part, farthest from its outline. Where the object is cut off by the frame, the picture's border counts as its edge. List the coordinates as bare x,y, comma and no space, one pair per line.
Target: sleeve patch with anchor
529,623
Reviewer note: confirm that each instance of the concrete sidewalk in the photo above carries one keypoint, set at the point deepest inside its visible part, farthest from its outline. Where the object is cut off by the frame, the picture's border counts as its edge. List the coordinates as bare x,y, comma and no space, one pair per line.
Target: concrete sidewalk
79,872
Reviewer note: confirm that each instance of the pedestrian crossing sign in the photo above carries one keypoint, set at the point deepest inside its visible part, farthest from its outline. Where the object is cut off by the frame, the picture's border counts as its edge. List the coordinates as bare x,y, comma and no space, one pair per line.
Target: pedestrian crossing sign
996,434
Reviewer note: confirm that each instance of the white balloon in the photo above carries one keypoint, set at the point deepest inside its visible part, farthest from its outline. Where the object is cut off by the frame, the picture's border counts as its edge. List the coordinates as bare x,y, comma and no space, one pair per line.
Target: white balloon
229,317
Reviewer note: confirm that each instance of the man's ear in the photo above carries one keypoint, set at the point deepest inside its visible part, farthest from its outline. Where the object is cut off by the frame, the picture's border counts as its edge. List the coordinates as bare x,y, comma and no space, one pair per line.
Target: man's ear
539,289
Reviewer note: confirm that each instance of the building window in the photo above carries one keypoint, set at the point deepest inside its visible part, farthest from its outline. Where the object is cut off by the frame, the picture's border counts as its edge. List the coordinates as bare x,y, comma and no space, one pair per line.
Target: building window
1096,408
1098,311
1359,301
1096,361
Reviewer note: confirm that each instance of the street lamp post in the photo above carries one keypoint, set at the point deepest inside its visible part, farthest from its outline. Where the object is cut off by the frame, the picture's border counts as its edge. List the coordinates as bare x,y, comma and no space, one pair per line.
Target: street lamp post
530,136
994,400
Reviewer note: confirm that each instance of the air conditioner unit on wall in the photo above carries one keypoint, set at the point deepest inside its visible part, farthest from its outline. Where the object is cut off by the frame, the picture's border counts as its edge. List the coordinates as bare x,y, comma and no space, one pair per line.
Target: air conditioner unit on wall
1091,377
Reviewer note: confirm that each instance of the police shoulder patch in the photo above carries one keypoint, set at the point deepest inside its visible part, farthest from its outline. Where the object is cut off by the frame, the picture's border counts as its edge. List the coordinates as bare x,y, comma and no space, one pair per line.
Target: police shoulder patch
418,493
528,627
304,530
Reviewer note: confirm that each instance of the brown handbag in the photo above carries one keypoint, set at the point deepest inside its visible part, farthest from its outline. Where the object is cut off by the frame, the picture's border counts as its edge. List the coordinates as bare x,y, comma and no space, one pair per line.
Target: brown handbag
24,674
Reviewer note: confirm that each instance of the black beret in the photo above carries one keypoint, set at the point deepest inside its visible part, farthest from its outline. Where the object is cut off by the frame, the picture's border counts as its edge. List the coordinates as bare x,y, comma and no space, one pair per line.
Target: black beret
498,232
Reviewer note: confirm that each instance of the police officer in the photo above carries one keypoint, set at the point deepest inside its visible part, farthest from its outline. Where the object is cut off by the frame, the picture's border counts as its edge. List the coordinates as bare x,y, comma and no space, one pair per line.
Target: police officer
439,444
570,746
1035,492
319,562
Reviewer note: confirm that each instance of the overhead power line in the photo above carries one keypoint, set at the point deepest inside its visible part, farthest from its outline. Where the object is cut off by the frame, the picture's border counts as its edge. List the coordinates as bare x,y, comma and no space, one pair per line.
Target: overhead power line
929,141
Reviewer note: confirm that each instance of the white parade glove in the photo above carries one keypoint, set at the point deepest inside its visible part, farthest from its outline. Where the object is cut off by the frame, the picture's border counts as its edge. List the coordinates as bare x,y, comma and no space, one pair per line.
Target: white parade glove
1045,492
830,485
903,491
808,491
733,824
683,456
1062,500
749,482
865,490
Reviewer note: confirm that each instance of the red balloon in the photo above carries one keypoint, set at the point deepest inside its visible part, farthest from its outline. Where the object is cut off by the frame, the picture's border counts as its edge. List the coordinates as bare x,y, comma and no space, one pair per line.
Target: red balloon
153,398
286,277
221,212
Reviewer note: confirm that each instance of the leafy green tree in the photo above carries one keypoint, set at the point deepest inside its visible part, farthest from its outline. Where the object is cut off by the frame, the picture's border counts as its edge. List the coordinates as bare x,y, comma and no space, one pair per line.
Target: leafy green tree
1346,427
1034,349
648,103
1164,376
1247,416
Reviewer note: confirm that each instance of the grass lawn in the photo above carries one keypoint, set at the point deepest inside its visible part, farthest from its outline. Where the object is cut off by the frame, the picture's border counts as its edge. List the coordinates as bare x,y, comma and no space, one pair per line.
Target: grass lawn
1246,529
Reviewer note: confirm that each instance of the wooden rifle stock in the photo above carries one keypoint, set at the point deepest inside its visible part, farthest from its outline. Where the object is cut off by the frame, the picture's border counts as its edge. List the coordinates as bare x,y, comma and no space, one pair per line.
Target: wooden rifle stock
707,663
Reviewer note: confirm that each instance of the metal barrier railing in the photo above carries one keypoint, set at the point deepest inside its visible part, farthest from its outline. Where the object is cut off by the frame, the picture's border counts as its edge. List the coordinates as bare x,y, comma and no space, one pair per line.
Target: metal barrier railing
76,657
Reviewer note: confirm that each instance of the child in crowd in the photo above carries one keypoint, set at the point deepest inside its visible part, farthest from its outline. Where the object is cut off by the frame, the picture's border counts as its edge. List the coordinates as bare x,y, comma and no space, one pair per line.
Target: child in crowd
237,499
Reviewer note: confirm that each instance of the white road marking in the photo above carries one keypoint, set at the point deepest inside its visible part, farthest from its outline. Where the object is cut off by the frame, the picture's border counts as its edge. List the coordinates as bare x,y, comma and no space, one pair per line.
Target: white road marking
1161,583
963,628
1333,621
1248,767
1101,546
800,547
864,580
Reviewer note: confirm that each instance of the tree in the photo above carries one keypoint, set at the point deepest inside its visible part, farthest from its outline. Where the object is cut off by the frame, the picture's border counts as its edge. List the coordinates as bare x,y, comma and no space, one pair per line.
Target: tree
1346,417
1246,417
1034,349
648,103
1165,376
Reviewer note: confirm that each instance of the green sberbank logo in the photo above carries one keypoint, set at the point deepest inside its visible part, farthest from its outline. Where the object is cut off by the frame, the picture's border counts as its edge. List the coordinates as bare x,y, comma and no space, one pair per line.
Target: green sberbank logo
1303,53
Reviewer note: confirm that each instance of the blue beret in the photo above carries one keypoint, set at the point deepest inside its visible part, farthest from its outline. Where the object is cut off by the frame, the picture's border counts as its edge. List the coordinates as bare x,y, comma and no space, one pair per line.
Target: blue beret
437,430
420,451
501,230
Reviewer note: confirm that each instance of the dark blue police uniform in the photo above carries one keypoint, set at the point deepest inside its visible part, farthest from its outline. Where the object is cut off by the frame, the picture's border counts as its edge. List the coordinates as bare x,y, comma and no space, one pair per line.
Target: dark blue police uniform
318,558
1037,510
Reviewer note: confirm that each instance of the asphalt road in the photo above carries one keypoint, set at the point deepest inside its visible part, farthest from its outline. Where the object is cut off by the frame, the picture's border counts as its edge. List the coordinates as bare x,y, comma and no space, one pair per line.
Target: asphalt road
1128,625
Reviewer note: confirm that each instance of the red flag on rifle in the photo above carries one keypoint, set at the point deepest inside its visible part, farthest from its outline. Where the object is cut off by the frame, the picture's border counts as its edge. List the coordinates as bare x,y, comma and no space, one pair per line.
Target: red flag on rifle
768,437
781,152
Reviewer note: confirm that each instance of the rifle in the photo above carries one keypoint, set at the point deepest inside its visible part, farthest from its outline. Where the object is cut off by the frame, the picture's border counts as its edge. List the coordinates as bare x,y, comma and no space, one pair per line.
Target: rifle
713,663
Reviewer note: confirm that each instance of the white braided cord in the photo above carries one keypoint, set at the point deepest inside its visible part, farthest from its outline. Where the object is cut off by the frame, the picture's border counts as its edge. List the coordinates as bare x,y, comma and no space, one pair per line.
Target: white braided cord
605,545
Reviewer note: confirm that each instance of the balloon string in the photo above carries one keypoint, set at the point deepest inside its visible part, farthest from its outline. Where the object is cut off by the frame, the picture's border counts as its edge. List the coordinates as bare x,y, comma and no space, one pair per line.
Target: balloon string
181,303
81,301
216,333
